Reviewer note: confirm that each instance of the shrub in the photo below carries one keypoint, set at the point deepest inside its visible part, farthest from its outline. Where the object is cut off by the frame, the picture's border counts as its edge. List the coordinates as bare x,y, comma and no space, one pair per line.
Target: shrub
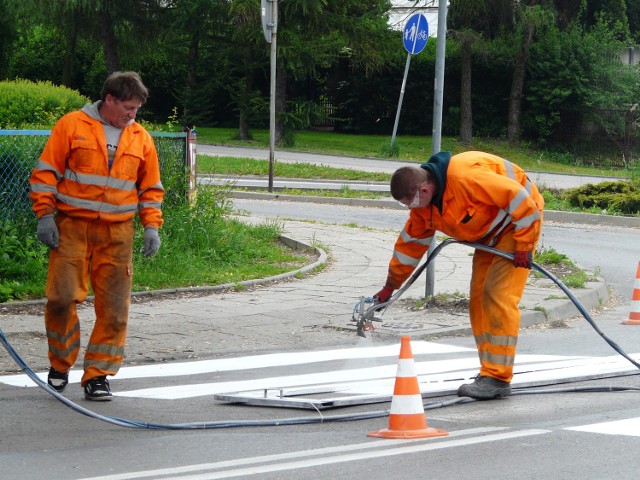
27,104
23,260
622,196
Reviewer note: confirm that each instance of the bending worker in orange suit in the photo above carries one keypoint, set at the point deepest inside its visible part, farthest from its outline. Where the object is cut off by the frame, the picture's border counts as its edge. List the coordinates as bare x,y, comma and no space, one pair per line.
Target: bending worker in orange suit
481,198
98,169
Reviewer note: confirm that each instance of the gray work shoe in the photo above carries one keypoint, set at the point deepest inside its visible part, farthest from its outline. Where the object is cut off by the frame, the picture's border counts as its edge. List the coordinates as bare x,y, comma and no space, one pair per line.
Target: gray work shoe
485,388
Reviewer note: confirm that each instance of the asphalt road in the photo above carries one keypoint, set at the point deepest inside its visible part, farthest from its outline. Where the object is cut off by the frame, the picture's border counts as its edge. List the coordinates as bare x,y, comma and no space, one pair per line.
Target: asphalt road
561,435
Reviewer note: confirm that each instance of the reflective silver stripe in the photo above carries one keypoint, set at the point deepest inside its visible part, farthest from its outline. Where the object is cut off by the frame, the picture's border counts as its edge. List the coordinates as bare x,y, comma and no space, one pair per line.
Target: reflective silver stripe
520,197
99,180
528,186
509,168
527,221
45,167
98,206
64,353
43,188
406,259
113,350
507,360
157,186
501,222
102,365
498,340
63,338
502,214
406,238
142,205
494,239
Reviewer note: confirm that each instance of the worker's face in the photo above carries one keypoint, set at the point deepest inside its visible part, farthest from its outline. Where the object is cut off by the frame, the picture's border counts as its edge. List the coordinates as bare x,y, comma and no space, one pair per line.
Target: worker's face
422,198
120,113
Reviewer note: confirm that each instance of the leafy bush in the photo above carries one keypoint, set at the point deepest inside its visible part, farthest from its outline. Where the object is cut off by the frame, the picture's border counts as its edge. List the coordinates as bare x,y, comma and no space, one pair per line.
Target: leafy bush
27,104
622,196
201,245
23,260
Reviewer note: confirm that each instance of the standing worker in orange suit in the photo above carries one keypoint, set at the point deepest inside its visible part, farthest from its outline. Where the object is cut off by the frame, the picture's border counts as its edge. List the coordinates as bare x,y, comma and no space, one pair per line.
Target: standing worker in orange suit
98,169
481,198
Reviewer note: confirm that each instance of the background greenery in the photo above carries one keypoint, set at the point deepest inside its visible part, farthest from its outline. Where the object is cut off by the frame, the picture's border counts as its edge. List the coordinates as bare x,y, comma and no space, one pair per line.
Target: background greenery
203,244
538,81
543,72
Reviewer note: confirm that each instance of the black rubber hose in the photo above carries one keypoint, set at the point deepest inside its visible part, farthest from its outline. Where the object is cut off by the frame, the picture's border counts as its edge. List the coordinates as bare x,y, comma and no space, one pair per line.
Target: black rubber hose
562,287
369,314
182,426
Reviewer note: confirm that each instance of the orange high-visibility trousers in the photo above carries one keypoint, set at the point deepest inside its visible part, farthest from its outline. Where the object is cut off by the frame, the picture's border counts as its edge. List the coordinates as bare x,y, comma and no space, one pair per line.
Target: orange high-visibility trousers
103,253
496,289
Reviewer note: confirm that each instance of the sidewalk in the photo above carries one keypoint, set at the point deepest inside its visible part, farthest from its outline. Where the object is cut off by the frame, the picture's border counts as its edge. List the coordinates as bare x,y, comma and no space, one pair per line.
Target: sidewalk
294,312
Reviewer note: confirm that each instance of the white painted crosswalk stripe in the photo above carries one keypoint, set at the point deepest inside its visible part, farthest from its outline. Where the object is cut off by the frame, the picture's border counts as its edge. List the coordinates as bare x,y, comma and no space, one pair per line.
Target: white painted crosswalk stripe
333,373
630,427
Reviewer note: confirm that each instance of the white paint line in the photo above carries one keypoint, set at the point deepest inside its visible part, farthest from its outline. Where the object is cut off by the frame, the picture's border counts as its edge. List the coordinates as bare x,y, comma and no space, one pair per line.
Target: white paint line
369,445
365,381
630,427
252,362
416,447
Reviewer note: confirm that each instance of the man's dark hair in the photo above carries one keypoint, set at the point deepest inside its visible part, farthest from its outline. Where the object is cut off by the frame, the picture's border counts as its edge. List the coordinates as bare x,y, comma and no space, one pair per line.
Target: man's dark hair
406,180
124,86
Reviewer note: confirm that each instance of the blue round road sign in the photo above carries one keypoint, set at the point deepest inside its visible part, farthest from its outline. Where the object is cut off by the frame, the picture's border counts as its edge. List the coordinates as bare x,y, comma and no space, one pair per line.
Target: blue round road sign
415,33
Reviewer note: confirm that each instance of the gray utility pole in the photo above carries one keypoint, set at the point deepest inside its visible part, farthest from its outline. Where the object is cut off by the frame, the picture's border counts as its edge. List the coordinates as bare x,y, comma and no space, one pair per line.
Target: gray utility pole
270,30
436,137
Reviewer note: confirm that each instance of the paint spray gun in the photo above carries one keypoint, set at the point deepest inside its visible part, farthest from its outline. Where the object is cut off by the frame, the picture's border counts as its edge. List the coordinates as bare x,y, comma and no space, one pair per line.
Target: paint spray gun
364,314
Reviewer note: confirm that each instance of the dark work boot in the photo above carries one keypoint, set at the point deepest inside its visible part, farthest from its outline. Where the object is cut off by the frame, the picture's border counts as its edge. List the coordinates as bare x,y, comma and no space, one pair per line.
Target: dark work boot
485,388
58,380
97,389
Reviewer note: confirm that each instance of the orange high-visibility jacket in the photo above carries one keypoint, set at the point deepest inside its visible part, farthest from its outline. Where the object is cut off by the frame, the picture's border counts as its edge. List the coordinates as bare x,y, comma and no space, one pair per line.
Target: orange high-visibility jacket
72,175
479,196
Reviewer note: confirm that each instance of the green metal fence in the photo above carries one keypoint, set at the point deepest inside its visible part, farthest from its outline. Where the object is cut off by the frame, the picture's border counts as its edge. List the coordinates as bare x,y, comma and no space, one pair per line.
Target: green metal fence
20,150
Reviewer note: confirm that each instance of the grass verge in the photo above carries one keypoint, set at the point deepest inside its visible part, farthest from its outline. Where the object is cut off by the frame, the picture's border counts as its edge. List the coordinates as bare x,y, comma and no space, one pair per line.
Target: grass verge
410,148
201,246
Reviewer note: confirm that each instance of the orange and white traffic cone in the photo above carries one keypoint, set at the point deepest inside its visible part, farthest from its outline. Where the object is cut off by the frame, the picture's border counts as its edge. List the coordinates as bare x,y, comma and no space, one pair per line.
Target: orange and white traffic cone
634,315
407,418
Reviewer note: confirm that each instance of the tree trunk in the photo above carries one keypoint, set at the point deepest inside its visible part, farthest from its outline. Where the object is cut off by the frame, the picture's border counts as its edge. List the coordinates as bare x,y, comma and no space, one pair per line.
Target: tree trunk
517,85
244,104
109,44
281,103
71,35
192,59
466,116
193,54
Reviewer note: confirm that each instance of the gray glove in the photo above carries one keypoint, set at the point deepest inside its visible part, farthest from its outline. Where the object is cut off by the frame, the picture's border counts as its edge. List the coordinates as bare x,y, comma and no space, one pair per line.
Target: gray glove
151,241
48,231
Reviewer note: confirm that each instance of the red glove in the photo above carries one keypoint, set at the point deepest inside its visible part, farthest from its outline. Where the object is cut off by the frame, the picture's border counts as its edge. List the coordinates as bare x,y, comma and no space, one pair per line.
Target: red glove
384,295
522,259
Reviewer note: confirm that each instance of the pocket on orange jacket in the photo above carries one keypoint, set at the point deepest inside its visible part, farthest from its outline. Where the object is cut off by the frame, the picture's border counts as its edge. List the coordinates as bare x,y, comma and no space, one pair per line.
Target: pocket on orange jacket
84,156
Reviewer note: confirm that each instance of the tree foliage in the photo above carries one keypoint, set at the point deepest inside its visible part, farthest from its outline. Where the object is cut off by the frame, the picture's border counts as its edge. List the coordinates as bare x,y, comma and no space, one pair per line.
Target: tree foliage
517,65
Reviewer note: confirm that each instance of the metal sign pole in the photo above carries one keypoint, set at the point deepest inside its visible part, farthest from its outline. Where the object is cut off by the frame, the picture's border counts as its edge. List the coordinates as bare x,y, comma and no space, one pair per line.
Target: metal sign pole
272,93
414,37
270,29
404,83
438,85
437,120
